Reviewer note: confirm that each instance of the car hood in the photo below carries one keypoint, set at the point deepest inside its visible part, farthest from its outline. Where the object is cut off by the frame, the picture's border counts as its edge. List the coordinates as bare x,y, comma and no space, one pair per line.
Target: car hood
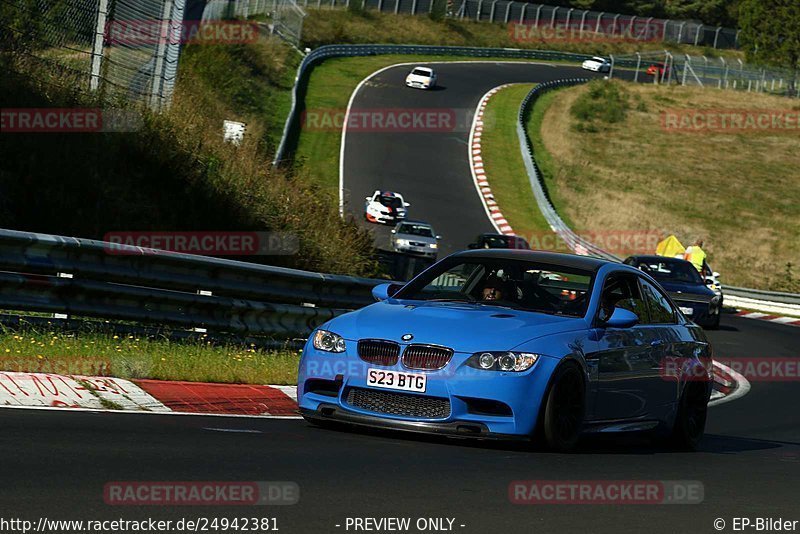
461,326
691,292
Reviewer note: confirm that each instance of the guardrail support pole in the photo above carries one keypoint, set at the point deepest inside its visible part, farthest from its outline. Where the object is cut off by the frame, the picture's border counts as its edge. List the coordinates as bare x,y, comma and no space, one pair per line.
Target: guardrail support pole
697,35
480,8
508,12
716,36
614,25
599,19
523,13
538,11
638,64
553,18
491,11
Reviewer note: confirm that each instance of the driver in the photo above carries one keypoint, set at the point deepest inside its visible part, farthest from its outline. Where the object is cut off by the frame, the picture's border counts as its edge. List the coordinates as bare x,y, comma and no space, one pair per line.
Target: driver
492,290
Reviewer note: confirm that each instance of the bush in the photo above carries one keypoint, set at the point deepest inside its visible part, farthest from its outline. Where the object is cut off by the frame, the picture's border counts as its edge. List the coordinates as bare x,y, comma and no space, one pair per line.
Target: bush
604,103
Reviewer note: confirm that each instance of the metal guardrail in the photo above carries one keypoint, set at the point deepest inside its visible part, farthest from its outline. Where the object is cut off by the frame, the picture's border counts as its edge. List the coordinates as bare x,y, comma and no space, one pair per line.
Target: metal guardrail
772,301
328,51
576,243
87,278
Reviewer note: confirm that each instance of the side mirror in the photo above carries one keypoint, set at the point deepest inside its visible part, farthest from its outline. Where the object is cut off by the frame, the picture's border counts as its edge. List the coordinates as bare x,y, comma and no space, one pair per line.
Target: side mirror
622,318
716,274
393,231
367,198
438,237
406,204
385,291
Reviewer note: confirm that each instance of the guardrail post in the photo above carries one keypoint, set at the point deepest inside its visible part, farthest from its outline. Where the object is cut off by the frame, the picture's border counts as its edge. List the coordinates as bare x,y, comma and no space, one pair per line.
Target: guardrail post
414,7
680,32
697,35
553,18
614,25
397,6
508,12
638,64
611,70
599,19
480,8
664,31
380,5
716,36
630,26
491,11
569,17
538,12
685,69
523,13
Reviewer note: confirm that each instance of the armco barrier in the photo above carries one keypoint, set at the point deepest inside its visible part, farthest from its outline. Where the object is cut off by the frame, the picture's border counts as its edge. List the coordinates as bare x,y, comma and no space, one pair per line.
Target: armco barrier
755,299
575,242
81,277
329,51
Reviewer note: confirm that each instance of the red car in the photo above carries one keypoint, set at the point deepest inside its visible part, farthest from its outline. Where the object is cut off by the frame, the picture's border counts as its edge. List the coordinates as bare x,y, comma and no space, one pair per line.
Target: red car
658,68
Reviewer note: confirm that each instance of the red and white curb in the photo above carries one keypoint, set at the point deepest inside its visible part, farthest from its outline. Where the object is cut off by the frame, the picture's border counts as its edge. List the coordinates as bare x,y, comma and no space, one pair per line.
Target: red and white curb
86,393
478,172
45,390
789,321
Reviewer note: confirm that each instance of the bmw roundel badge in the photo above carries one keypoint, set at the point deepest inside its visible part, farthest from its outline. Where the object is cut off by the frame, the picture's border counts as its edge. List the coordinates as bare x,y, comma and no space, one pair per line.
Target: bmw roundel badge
407,337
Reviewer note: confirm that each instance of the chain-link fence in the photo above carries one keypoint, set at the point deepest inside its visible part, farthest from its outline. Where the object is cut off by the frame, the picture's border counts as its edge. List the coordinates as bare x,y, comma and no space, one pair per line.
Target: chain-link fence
665,67
546,19
130,48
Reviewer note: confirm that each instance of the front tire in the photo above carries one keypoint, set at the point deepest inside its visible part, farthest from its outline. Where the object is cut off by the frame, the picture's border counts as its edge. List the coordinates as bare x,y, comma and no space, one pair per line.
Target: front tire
690,421
564,409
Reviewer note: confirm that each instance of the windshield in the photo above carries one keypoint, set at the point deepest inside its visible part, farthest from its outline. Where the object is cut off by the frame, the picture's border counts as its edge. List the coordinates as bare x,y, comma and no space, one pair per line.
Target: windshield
421,72
415,229
514,284
672,271
392,202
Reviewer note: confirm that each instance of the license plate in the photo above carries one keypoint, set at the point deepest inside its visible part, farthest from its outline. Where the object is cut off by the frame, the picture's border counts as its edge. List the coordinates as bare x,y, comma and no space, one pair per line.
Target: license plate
687,311
380,378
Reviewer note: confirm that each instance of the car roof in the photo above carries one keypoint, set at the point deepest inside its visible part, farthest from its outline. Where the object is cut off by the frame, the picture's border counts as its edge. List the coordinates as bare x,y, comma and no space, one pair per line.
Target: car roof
599,57
573,261
421,67
419,223
655,257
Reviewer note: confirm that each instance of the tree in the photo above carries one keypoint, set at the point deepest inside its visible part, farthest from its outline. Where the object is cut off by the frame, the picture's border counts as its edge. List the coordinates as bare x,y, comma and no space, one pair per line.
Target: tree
770,32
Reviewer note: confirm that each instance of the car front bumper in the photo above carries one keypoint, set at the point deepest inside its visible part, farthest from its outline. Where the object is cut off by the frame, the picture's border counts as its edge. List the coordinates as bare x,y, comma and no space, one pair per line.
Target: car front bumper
483,404
702,313
419,251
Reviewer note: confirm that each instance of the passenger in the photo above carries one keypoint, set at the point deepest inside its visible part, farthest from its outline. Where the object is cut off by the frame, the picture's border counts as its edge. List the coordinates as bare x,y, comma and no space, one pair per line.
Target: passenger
492,291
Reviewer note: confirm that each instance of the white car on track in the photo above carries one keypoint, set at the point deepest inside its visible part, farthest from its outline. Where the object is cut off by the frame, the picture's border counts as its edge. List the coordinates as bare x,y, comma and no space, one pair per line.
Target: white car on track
597,64
421,78
385,207
418,238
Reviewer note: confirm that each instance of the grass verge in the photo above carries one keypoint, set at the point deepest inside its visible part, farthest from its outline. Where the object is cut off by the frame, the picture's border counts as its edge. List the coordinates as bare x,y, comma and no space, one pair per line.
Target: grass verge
739,190
505,170
133,357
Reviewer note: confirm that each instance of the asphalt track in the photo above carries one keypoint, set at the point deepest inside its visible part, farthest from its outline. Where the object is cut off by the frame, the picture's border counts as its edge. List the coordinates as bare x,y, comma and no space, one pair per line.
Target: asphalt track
55,463
430,168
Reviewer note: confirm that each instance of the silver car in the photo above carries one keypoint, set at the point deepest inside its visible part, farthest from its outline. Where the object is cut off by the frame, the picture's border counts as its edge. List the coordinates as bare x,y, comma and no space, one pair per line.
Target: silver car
415,238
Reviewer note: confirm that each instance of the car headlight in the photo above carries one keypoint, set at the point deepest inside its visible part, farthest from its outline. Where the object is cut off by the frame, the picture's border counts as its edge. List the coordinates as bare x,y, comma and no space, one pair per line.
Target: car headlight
715,300
403,242
433,245
503,361
328,341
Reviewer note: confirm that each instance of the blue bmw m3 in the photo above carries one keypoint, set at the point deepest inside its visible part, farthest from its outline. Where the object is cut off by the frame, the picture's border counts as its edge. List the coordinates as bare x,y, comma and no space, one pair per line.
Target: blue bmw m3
513,344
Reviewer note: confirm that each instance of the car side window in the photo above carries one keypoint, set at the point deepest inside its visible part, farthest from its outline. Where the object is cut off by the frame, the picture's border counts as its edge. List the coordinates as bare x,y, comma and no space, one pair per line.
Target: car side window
661,310
622,291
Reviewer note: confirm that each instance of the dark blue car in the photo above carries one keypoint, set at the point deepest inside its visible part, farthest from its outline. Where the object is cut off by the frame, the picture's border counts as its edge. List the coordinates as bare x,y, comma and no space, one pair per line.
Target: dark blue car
684,284
513,344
